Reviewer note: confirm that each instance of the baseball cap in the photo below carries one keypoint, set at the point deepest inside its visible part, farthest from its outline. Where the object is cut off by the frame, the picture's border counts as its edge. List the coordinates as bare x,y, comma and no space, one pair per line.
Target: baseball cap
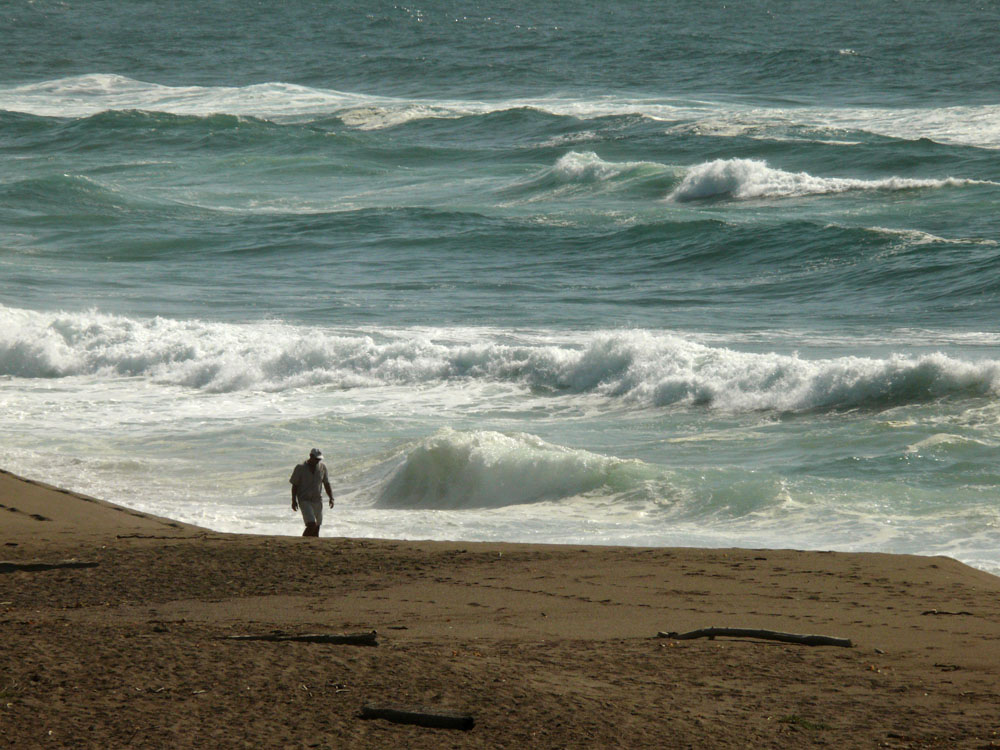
315,453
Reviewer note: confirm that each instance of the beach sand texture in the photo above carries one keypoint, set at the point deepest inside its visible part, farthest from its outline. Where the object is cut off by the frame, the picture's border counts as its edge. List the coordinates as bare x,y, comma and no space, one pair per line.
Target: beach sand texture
544,646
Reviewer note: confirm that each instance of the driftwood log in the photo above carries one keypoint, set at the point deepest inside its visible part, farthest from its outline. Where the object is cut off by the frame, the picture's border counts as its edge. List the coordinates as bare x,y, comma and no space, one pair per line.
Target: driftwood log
356,639
771,635
10,567
423,717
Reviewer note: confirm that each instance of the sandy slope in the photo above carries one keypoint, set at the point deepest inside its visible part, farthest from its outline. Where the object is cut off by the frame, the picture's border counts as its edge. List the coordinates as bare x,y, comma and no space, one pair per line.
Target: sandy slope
545,646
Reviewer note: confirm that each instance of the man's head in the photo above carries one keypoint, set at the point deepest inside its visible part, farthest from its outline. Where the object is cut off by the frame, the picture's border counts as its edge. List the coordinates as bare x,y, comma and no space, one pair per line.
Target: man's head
315,455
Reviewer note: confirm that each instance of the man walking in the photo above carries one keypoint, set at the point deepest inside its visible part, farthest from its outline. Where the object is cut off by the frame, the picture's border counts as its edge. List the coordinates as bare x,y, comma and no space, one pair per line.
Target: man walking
307,480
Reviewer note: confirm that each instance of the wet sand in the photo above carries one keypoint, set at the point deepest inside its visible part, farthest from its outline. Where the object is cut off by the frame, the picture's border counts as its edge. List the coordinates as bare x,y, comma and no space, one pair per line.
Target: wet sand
115,624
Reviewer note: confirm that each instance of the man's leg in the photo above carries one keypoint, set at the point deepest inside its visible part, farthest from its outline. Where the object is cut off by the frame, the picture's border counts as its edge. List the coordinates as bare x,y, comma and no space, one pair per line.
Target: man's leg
312,514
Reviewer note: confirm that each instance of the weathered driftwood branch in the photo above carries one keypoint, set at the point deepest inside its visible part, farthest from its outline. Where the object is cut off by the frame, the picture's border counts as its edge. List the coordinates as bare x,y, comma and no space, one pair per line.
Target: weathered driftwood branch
943,612
420,716
10,567
357,639
771,635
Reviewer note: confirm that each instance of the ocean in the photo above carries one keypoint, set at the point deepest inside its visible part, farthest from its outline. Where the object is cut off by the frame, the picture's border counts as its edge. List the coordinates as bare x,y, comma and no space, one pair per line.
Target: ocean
686,274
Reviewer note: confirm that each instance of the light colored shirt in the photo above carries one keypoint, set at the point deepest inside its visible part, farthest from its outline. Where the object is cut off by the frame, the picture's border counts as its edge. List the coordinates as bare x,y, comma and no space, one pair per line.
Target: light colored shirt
308,482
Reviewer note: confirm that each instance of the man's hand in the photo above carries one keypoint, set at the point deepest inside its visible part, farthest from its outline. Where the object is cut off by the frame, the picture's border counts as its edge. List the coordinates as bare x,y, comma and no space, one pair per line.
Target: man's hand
295,505
331,501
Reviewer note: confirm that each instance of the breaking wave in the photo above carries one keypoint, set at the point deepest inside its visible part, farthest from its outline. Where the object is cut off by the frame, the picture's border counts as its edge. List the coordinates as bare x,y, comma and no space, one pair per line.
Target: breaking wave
744,179
484,469
90,94
640,368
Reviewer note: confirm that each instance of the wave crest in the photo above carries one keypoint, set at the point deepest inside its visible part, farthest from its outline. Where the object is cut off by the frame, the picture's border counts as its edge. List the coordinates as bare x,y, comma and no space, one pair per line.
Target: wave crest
483,469
589,167
586,170
745,179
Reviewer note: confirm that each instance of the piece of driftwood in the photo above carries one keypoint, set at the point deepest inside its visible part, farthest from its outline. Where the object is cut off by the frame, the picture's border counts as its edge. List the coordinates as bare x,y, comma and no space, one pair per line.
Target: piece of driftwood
943,612
771,635
356,639
420,716
10,567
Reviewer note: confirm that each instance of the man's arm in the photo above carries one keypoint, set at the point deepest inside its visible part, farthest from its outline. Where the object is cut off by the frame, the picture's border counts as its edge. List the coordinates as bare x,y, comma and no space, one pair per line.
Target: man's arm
292,480
329,490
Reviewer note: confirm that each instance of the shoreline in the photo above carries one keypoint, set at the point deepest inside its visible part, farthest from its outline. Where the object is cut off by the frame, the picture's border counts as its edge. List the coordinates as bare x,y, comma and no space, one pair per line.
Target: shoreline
545,645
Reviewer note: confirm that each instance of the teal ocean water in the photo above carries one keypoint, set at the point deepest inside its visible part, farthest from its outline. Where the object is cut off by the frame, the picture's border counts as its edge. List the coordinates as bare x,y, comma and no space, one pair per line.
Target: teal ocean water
630,273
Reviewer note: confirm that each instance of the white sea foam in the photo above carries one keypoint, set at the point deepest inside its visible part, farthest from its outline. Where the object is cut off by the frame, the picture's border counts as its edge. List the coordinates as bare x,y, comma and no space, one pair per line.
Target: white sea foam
744,179
640,368
962,125
977,126
944,440
912,237
570,139
86,95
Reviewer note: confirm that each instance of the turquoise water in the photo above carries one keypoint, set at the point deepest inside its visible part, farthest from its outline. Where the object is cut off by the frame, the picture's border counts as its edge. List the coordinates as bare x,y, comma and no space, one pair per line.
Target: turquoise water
701,274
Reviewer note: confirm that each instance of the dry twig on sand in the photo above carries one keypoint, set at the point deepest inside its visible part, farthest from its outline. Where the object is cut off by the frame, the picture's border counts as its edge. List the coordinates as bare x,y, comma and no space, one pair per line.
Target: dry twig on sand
420,716
357,639
771,635
31,567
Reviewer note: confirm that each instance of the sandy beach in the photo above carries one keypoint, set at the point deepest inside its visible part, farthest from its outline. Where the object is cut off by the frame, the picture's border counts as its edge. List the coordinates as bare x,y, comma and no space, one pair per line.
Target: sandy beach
115,627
